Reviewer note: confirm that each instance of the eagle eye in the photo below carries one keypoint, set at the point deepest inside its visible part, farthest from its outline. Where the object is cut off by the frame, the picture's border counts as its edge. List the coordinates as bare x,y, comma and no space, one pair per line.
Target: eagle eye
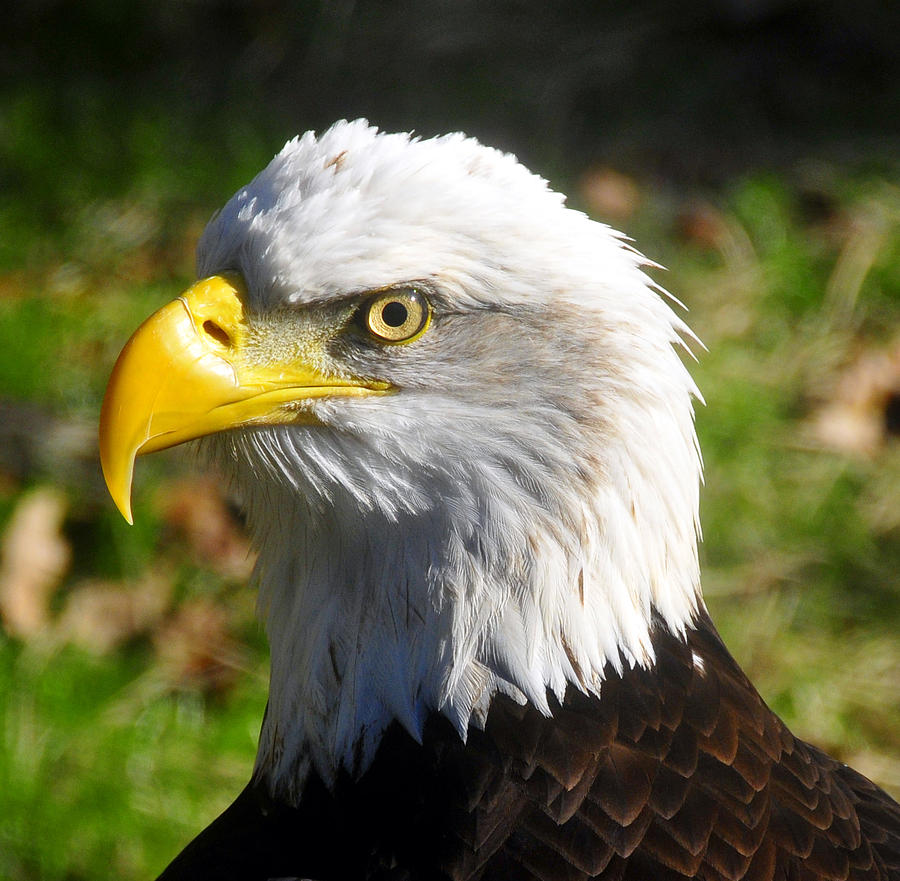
397,316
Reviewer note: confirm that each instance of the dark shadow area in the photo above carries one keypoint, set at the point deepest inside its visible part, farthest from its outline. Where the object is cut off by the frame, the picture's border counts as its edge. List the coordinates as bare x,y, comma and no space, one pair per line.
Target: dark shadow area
692,91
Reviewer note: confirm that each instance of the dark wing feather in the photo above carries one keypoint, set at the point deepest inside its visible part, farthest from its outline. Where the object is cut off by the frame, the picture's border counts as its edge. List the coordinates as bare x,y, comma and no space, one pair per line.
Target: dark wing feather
677,771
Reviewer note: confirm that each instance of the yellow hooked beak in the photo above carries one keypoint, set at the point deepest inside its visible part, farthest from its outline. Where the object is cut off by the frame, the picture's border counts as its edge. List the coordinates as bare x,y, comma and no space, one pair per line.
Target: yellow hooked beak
185,373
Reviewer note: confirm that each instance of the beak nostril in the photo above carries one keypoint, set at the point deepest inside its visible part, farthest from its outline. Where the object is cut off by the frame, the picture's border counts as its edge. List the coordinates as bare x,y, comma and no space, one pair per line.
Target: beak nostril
217,333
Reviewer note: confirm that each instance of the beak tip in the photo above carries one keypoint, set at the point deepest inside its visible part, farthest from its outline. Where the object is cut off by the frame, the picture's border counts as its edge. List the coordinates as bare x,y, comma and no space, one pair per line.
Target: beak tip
125,511
118,474
122,500
121,496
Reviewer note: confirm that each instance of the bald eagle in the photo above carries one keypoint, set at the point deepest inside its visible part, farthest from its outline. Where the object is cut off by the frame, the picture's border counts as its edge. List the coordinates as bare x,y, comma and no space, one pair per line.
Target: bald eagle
456,413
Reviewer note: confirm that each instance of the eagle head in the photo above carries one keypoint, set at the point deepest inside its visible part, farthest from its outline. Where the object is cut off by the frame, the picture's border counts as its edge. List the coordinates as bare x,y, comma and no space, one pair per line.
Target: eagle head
456,414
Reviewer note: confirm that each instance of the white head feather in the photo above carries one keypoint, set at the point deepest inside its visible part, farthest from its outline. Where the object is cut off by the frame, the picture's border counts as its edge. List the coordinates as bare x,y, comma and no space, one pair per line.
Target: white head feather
513,518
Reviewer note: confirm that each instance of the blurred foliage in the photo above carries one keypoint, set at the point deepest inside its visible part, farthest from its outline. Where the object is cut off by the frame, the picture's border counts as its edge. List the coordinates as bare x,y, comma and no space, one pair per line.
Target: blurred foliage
748,146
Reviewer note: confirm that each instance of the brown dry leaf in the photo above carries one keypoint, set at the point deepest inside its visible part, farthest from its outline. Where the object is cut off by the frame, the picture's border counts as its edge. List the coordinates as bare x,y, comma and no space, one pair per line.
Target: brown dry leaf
35,556
197,509
195,647
858,417
609,194
9,486
704,225
16,284
101,615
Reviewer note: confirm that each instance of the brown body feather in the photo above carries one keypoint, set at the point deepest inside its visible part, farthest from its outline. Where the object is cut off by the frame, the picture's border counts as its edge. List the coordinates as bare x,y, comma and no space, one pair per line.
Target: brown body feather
676,771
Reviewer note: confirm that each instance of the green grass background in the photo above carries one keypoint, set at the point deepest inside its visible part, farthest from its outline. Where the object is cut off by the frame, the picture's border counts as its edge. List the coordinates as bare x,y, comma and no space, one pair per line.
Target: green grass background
111,760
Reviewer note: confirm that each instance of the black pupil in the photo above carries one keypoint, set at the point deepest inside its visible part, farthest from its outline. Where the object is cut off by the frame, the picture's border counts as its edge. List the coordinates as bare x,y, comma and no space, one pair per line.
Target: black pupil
394,314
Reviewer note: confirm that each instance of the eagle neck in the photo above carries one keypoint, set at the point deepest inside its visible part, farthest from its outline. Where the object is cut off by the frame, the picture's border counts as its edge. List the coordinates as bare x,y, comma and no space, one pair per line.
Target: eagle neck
376,616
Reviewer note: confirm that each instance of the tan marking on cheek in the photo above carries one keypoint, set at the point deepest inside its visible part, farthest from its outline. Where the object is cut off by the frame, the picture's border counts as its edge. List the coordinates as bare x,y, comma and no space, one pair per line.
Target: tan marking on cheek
337,161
